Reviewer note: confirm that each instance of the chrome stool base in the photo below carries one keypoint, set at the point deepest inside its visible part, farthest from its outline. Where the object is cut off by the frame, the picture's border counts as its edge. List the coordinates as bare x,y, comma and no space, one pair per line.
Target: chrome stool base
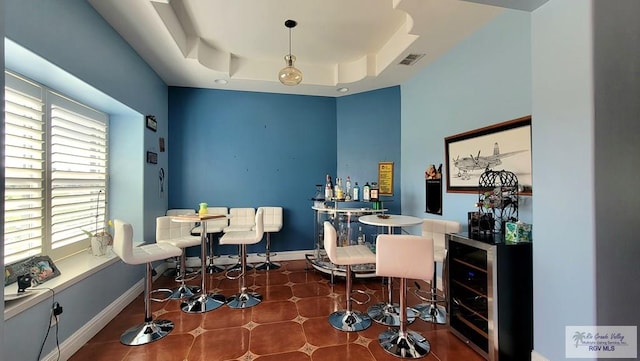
349,321
389,314
244,299
203,303
184,291
266,266
408,345
212,268
238,267
433,313
147,332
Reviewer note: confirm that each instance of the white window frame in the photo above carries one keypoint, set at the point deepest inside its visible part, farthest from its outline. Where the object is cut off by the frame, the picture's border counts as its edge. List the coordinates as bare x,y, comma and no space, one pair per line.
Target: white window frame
74,180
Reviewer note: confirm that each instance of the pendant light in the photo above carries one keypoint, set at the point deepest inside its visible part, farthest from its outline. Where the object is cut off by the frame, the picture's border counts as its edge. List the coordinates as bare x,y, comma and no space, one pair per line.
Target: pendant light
290,75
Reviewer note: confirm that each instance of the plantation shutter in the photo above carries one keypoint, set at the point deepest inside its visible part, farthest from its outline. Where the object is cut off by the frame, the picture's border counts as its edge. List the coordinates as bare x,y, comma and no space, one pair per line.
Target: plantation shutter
56,172
78,172
24,169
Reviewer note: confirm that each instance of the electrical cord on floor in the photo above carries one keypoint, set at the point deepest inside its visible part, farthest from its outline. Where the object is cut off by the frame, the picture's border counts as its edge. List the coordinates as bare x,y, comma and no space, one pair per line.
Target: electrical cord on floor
51,315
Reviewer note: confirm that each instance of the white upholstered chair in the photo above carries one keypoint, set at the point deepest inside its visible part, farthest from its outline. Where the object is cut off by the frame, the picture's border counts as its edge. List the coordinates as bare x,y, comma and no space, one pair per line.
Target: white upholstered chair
151,330
272,223
240,219
178,234
244,298
404,257
214,227
434,309
347,319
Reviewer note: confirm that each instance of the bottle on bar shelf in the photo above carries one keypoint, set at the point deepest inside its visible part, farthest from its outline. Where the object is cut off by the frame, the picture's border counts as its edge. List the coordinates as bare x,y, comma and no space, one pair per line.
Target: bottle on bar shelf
366,192
347,192
356,192
328,189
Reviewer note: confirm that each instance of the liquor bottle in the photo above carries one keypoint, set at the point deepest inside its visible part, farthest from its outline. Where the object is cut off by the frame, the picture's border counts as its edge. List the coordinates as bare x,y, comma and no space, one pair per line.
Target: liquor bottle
360,236
366,192
374,192
328,189
338,192
347,191
356,192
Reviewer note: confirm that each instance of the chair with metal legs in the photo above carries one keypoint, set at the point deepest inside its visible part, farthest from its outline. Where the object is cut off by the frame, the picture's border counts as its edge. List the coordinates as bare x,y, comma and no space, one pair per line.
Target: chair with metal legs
151,330
214,228
347,256
178,235
272,223
404,257
240,219
244,298
434,309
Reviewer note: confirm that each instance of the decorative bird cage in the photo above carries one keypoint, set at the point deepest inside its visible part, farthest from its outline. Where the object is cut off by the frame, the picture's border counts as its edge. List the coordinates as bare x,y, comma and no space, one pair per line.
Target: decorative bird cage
498,198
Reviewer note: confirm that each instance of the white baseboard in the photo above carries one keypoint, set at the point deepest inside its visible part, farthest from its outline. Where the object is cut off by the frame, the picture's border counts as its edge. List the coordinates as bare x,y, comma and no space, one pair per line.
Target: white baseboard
537,357
79,338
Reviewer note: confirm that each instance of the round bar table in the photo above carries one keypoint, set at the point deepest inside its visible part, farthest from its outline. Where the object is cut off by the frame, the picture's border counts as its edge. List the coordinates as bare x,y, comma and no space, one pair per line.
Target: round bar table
204,301
388,313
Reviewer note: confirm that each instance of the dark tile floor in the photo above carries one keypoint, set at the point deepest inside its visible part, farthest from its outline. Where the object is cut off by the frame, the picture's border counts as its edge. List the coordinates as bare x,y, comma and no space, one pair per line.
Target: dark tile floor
290,324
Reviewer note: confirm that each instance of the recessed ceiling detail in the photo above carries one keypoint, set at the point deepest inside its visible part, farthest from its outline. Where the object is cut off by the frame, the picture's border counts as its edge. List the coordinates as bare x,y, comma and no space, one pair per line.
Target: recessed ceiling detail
355,43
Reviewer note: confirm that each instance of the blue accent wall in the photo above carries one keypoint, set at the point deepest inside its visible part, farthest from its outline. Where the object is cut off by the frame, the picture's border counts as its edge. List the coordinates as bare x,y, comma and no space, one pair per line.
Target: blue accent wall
250,149
368,133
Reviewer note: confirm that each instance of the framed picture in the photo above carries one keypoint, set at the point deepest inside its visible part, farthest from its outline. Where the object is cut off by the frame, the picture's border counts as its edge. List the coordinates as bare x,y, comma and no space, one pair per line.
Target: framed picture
385,178
151,122
41,268
152,158
502,146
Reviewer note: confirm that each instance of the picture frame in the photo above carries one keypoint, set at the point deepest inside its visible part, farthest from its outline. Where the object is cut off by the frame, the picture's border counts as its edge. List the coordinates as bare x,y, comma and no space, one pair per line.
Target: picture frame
151,122
41,268
152,158
385,178
505,145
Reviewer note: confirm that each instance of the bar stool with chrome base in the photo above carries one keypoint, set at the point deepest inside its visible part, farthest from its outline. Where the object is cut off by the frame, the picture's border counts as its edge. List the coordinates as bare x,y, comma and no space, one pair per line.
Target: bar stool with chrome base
348,319
178,235
240,219
402,256
151,330
214,227
244,299
272,223
433,309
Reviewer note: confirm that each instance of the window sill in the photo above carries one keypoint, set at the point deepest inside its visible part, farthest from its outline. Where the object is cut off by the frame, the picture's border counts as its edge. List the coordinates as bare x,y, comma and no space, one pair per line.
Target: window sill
72,270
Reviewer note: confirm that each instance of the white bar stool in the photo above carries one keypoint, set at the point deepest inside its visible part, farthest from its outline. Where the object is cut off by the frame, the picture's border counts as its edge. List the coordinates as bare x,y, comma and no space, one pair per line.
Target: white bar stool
402,256
244,299
348,319
434,309
272,223
178,235
151,330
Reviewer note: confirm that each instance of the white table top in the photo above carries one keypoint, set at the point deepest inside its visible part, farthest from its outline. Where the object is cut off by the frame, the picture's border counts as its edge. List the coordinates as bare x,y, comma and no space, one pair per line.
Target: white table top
394,220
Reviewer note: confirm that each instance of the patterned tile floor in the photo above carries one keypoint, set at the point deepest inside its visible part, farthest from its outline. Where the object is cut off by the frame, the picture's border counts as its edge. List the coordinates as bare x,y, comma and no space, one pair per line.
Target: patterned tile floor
290,324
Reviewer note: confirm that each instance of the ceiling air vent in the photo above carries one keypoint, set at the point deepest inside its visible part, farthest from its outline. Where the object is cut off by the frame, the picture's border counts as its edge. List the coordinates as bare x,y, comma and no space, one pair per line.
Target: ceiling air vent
411,59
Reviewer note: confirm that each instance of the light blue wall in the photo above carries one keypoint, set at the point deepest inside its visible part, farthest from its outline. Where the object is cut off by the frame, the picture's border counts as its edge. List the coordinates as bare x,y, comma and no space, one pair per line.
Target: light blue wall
249,149
67,45
368,132
563,133
484,80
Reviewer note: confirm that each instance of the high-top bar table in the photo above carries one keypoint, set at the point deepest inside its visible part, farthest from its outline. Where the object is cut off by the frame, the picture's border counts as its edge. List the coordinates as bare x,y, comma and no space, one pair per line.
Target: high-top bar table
204,301
388,313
